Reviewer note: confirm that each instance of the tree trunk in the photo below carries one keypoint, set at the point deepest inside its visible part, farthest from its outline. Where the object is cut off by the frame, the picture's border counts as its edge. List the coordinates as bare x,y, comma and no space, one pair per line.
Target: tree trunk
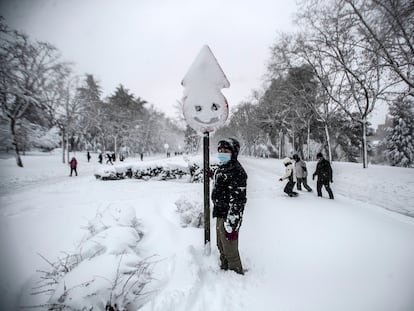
15,143
67,149
308,142
63,146
280,144
364,143
328,141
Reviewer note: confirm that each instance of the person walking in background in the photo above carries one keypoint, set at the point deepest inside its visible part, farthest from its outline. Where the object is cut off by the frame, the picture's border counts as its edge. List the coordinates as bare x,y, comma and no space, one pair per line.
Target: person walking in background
109,159
100,158
301,173
73,166
88,156
290,176
229,199
324,173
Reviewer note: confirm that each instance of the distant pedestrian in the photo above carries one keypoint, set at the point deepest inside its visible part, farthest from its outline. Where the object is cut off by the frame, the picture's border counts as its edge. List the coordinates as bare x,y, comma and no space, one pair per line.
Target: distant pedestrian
290,176
324,173
142,156
73,166
301,173
109,159
100,158
88,156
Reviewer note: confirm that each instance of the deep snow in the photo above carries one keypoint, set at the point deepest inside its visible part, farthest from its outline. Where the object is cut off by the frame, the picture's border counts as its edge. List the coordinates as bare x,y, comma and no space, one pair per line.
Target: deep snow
302,253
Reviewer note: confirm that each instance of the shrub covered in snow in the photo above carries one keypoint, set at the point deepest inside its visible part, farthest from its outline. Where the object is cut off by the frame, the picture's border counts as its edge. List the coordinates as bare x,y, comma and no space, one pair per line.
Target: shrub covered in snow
191,213
164,169
105,270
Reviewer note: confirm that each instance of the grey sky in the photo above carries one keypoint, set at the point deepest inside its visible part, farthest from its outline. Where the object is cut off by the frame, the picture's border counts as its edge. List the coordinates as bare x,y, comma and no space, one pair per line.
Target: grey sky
148,45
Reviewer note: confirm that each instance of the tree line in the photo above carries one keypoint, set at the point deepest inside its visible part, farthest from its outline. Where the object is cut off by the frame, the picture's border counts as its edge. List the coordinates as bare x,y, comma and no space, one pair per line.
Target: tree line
325,79
323,82
43,101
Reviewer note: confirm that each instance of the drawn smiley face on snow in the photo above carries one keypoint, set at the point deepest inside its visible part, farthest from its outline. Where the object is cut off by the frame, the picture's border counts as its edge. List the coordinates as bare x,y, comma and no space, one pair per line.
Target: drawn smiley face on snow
205,113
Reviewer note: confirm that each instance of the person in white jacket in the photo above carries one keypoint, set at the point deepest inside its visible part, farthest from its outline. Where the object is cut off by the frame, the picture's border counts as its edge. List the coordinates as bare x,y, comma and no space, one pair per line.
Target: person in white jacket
290,176
301,173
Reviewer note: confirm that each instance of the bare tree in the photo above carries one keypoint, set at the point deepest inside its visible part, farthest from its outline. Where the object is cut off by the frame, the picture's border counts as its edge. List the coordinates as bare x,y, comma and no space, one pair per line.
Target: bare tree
392,39
337,36
26,68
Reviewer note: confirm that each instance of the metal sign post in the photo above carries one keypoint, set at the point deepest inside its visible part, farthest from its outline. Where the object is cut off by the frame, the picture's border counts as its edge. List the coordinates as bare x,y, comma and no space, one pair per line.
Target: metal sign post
205,109
206,169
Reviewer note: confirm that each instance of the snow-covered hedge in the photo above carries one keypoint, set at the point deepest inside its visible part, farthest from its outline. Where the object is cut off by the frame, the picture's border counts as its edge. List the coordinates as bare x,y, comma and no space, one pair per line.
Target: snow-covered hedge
105,270
164,169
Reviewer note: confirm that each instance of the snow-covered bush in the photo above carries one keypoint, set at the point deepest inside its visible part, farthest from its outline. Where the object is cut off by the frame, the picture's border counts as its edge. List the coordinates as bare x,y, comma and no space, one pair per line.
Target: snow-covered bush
145,171
158,170
191,213
45,139
195,167
105,270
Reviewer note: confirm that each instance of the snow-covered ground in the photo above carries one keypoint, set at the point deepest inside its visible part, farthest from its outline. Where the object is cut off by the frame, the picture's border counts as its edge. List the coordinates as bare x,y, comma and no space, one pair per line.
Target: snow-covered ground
305,253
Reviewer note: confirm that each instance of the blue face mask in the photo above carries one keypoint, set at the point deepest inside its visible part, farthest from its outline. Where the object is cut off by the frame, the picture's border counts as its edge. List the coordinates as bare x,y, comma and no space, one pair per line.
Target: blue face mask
224,157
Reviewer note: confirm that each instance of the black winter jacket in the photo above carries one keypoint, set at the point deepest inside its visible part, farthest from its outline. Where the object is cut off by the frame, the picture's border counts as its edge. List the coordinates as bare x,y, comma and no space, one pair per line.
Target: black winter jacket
229,193
324,171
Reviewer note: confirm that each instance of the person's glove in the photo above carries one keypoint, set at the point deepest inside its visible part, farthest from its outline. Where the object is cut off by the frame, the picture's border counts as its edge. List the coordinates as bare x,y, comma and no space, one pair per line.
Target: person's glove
280,179
234,235
210,173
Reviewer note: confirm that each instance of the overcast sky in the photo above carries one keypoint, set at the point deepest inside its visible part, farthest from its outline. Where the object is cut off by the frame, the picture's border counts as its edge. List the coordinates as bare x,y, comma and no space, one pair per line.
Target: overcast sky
148,45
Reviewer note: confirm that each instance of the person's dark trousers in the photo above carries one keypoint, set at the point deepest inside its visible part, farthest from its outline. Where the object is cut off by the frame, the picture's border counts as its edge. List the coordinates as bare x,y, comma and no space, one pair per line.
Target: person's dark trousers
305,184
72,169
229,250
319,185
289,187
299,184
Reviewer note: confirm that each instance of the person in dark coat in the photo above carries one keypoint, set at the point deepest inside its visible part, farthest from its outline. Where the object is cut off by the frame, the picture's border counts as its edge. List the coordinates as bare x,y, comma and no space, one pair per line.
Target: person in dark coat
73,166
229,199
324,173
100,158
109,159
88,156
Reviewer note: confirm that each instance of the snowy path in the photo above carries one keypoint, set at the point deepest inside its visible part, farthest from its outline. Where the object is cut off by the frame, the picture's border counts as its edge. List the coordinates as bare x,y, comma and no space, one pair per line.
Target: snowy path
332,255
303,253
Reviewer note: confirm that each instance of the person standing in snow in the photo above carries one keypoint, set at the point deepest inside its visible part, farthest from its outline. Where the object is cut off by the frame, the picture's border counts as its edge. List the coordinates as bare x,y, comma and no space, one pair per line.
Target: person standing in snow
290,176
229,199
324,173
88,156
73,166
301,173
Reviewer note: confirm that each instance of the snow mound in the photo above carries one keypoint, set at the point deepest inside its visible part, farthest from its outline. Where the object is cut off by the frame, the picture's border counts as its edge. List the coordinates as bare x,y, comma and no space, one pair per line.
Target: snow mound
106,269
191,212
